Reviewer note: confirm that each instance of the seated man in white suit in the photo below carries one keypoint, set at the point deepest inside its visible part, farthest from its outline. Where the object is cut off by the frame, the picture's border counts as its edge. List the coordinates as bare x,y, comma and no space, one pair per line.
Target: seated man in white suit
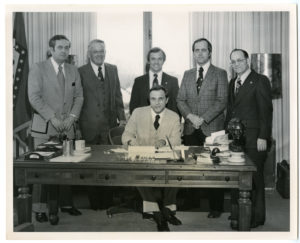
149,126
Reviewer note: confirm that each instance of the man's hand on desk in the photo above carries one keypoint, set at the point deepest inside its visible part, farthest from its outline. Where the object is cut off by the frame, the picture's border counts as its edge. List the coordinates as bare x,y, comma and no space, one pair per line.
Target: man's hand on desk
160,143
58,124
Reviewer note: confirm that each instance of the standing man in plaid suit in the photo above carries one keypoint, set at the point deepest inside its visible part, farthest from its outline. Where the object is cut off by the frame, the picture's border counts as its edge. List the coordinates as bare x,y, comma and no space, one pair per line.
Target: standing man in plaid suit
201,100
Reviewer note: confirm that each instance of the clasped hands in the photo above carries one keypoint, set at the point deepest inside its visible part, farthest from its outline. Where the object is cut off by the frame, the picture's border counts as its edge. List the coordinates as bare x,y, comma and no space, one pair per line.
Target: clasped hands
63,125
195,120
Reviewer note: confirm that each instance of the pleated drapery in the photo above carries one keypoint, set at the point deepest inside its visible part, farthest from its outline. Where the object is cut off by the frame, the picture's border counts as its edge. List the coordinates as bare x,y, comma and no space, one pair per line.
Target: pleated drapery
256,32
79,28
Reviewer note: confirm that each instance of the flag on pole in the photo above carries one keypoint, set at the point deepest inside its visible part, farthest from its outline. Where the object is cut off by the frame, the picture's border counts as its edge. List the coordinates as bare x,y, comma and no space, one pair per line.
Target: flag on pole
21,105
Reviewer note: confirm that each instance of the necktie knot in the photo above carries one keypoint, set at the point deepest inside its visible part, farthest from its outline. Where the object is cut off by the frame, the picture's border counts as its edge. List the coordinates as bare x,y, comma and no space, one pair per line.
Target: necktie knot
201,70
156,123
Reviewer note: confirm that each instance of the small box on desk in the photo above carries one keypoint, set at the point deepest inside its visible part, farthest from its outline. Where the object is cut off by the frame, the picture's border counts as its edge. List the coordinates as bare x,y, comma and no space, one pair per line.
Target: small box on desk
283,179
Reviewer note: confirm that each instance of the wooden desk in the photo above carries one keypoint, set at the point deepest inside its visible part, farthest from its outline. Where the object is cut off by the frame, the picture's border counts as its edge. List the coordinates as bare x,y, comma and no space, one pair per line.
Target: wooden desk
113,170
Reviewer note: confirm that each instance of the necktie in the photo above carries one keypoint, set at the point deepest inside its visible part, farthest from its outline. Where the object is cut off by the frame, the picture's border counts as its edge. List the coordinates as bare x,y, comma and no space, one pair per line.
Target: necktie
100,74
61,78
238,86
200,79
155,80
156,124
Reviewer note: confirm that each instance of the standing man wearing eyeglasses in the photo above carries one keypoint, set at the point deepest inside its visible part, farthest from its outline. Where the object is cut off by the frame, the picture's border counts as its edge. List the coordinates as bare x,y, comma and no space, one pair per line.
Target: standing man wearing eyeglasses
201,100
102,109
250,100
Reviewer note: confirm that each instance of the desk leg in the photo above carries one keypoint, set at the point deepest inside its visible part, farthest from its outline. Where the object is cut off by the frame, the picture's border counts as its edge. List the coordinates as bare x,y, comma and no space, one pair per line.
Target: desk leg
244,211
24,204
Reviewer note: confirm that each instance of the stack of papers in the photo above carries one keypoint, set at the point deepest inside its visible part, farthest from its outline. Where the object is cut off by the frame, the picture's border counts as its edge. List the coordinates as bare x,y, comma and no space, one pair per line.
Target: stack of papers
217,138
204,158
74,158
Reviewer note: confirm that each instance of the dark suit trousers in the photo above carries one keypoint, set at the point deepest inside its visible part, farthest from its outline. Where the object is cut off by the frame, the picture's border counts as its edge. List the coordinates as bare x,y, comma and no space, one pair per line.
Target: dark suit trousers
258,187
163,196
216,195
54,195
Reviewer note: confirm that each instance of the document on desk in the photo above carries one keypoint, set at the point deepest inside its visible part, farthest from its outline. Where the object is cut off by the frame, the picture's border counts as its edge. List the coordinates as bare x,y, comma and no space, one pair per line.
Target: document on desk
44,154
204,158
119,150
71,159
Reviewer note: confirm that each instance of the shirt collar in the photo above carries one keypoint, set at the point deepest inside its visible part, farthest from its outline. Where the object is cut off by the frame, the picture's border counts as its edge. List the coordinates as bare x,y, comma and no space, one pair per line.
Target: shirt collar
205,68
244,76
95,68
55,65
153,114
151,77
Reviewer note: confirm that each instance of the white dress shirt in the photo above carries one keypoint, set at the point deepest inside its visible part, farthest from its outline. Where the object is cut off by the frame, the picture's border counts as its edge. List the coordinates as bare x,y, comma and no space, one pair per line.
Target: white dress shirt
151,77
161,115
243,77
205,69
95,68
56,65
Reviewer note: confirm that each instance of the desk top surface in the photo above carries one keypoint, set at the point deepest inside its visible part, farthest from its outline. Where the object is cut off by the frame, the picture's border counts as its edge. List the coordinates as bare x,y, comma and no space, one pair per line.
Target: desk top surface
102,157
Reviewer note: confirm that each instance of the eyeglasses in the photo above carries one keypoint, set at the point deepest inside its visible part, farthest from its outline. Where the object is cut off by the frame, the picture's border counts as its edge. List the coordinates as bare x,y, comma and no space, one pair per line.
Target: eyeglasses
238,61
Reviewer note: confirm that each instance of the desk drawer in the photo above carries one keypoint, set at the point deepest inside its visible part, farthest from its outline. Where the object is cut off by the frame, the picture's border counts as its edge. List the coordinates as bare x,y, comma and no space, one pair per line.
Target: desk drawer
130,177
60,176
204,178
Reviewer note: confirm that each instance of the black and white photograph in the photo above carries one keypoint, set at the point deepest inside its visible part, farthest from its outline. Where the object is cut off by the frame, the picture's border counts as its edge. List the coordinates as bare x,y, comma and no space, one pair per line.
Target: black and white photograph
162,121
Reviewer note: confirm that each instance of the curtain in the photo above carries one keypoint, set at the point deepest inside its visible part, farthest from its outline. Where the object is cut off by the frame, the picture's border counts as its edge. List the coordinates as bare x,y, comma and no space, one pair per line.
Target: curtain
256,32
79,28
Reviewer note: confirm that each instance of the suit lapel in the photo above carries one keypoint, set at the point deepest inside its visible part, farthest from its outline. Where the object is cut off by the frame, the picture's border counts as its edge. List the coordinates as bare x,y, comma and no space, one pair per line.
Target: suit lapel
244,89
109,78
193,82
150,124
208,77
91,79
231,91
67,80
53,77
164,81
145,88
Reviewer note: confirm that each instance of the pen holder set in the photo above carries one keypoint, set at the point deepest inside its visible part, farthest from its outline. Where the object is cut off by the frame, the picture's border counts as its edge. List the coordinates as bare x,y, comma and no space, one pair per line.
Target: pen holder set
68,147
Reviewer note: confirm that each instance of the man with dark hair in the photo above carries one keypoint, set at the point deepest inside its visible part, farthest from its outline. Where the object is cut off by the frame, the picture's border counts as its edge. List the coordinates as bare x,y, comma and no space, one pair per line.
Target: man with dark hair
102,109
55,94
201,100
149,126
250,100
139,96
